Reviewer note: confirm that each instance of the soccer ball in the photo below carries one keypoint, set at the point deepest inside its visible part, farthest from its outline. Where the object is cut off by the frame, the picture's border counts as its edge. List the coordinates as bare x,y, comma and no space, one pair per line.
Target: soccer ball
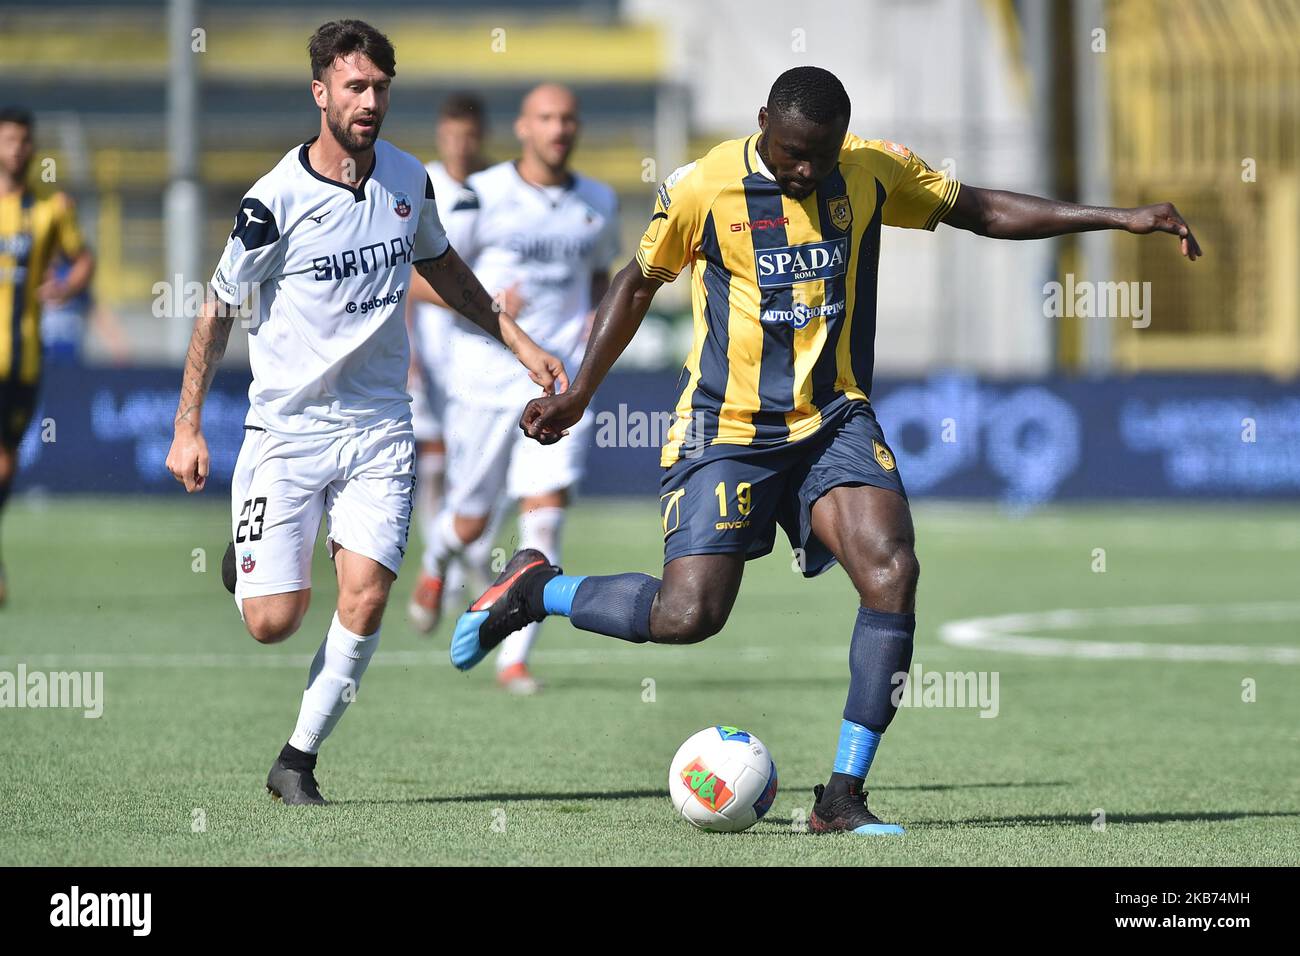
722,779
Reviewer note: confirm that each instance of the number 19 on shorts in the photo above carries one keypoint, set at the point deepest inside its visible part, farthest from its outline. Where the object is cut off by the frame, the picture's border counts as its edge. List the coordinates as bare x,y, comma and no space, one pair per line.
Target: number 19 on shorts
743,498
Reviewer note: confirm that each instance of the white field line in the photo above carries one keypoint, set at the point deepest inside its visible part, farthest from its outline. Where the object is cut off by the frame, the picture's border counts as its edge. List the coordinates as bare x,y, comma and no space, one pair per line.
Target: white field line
1016,633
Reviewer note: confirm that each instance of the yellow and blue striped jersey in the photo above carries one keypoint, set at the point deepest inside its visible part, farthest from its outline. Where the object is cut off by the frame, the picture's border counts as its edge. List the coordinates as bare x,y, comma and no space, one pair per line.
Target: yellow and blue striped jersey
32,230
783,291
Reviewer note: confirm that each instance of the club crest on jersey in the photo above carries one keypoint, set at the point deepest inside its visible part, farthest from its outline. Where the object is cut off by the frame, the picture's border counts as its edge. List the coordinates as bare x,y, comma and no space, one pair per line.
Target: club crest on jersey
884,456
246,563
809,262
402,205
841,213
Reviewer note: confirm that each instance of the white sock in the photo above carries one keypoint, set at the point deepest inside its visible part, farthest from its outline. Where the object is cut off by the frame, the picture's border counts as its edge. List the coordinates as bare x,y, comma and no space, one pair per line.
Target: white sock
478,555
429,469
471,573
541,529
331,684
442,546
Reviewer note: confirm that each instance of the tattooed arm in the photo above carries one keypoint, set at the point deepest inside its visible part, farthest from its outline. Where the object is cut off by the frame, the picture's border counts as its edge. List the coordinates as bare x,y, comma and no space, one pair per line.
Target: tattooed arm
456,284
188,458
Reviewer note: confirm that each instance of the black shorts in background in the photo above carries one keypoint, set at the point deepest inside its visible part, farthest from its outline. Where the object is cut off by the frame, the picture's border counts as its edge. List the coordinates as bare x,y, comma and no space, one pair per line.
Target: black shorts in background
17,405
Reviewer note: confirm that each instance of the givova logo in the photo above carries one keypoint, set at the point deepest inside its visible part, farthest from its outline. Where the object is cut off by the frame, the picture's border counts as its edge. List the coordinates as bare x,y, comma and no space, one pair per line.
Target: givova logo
809,262
75,908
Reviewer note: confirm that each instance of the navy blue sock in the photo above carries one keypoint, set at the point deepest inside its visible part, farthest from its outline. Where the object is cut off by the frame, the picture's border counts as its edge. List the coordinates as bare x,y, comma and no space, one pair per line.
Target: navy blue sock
617,605
881,648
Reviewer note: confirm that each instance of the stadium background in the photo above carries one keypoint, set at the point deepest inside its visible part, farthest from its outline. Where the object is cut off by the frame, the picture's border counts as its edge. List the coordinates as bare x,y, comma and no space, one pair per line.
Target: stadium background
1120,102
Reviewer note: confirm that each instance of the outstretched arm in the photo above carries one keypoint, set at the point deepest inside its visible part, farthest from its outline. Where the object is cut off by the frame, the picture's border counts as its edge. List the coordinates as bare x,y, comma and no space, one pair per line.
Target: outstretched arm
458,287
998,214
617,318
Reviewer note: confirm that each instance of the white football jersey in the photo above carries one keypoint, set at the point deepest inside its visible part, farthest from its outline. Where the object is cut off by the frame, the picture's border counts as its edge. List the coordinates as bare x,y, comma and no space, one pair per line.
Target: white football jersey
549,242
331,265
433,323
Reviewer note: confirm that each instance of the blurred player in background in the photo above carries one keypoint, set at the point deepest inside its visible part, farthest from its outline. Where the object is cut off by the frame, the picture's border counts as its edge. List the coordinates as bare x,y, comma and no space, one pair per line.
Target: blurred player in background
541,237
462,120
774,426
65,325
323,249
33,232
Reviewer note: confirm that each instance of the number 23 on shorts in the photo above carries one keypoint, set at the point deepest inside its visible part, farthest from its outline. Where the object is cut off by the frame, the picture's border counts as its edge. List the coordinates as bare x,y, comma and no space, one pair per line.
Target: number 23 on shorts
251,517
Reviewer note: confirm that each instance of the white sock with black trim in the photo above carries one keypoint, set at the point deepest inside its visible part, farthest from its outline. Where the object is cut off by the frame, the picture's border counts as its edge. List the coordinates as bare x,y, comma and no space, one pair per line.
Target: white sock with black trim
331,684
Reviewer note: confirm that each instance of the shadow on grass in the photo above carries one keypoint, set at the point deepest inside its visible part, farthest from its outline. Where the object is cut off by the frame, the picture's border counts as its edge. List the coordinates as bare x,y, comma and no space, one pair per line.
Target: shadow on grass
657,793
694,683
1084,819
509,798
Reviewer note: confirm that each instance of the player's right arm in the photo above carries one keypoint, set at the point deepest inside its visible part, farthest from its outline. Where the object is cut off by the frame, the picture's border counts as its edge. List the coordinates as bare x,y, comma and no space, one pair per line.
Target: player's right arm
188,458
457,286
452,284
617,318
667,247
254,253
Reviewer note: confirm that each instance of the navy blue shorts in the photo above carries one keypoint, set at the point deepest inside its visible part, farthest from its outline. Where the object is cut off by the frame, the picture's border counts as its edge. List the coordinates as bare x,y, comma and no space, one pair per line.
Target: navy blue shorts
731,498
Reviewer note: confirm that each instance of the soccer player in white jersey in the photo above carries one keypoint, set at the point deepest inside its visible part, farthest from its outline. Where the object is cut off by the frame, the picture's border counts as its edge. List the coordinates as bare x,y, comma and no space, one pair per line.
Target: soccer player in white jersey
459,136
323,247
546,236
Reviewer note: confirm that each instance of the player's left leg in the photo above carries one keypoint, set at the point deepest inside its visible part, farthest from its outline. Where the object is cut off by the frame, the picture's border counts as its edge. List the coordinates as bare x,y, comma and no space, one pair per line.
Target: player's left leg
336,672
869,530
542,478
473,571
428,403
369,511
541,524
429,347
479,441
859,514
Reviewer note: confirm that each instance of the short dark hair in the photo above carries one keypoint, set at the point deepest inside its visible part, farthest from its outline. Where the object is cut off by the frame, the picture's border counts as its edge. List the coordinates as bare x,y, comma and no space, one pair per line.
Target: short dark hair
16,114
463,105
342,37
811,92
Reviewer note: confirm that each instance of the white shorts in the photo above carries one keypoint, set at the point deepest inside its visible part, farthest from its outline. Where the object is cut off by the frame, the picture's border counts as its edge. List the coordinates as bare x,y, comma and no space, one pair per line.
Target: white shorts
428,405
363,483
430,343
489,456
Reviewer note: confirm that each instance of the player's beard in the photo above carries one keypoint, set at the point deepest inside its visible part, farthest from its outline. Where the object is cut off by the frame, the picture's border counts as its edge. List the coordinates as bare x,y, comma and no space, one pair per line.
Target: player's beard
350,140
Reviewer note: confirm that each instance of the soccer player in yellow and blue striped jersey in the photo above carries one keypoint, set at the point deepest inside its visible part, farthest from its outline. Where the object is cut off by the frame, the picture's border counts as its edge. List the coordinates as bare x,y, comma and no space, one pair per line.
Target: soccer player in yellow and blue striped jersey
785,302
781,231
33,232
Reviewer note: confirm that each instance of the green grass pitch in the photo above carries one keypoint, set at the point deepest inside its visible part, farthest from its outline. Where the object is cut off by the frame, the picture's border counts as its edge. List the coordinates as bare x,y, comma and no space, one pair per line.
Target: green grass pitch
431,766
